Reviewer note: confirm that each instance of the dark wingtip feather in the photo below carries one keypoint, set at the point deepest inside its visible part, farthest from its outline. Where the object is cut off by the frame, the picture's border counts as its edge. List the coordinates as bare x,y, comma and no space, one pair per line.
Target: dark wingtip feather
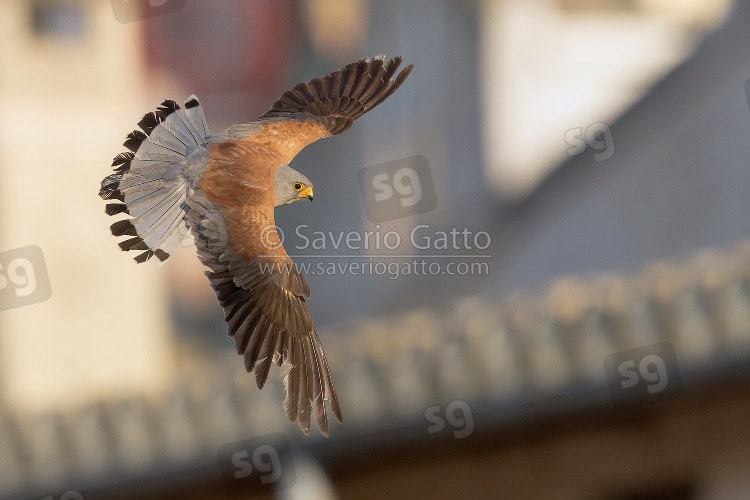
135,243
134,140
149,122
111,181
116,208
192,103
336,409
140,259
261,372
127,244
123,228
322,422
152,120
161,254
404,73
121,162
111,194
167,108
110,188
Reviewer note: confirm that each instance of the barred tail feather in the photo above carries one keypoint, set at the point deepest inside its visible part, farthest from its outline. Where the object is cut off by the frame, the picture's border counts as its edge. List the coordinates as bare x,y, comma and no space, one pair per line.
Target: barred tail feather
154,180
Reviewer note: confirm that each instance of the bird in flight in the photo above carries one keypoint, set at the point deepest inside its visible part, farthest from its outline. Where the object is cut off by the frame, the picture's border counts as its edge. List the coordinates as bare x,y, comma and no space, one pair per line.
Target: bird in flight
177,177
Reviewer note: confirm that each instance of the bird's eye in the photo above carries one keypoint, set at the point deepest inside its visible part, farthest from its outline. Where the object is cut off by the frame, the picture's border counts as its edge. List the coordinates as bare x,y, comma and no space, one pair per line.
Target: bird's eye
297,186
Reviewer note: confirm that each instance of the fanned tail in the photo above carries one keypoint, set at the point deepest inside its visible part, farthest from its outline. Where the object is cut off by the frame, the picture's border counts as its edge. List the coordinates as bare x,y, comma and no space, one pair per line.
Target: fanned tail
154,180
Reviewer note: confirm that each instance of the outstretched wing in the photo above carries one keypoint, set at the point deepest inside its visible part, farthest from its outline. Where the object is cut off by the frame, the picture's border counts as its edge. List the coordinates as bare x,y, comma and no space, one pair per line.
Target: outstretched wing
265,310
334,101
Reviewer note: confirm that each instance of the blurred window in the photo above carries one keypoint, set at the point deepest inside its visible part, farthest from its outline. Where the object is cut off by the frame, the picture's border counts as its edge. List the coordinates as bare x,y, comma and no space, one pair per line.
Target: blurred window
57,18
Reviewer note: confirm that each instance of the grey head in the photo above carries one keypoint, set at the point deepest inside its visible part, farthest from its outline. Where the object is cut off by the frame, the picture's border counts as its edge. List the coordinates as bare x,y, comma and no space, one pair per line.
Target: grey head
291,186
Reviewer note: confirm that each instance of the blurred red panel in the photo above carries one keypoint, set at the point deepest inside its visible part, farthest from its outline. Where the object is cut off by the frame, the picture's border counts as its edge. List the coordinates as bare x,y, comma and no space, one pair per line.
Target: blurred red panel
252,40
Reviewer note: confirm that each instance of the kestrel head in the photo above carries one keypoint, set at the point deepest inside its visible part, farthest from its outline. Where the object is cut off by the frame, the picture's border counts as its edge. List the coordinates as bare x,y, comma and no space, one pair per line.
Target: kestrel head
291,186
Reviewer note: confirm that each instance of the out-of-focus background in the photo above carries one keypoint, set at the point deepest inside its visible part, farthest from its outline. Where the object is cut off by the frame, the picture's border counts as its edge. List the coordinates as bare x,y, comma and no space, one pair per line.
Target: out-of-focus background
585,336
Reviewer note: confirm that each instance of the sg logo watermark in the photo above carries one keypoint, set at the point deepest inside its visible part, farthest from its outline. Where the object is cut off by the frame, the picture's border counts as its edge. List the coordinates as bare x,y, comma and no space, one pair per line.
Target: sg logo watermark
397,189
127,11
598,136
257,464
645,374
457,413
23,278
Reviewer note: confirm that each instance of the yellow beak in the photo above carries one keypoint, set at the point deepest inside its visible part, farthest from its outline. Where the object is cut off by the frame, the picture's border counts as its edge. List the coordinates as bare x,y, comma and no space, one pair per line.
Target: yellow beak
306,193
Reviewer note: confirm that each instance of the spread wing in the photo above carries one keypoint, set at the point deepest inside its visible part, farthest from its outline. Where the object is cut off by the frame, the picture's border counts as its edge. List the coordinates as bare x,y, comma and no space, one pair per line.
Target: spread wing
264,307
334,100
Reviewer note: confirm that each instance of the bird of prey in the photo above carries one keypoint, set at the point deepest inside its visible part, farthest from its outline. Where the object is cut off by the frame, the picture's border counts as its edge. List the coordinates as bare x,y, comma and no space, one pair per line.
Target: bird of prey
177,177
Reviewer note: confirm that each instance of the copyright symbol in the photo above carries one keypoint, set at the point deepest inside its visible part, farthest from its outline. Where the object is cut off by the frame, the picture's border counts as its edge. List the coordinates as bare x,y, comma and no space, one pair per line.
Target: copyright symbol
272,237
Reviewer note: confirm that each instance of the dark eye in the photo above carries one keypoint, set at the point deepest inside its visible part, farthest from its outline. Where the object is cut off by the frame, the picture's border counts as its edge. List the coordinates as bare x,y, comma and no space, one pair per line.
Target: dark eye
297,186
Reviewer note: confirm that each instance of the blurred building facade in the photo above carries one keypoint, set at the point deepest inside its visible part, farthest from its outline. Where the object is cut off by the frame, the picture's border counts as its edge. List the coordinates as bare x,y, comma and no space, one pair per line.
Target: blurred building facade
68,86
486,399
